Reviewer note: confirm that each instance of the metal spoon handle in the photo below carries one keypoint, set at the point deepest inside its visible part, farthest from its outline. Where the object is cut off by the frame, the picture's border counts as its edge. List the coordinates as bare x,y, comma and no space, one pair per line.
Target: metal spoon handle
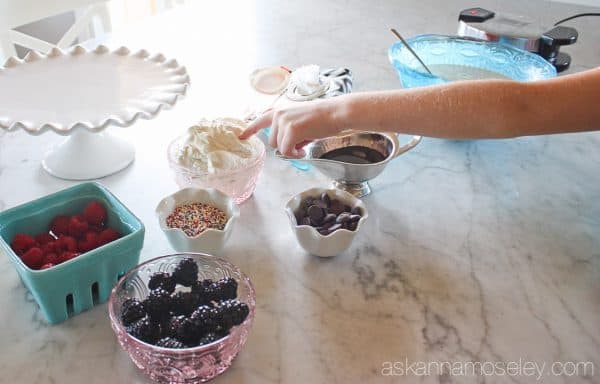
410,49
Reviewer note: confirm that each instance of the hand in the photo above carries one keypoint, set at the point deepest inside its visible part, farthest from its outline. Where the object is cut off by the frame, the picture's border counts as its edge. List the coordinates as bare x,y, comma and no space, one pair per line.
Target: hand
293,127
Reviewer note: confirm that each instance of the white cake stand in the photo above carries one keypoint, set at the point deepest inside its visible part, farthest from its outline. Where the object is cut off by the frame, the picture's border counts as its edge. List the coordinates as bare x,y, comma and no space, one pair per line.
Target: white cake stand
80,93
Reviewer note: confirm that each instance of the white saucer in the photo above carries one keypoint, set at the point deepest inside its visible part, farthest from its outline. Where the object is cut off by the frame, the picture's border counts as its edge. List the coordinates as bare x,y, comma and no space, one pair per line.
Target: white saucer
270,80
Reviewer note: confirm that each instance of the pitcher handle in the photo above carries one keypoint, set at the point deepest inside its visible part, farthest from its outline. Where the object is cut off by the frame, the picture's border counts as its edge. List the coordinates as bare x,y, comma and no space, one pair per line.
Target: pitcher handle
406,147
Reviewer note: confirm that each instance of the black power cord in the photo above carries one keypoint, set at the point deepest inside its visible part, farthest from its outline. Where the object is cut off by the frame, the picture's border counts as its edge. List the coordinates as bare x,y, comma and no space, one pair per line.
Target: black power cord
576,16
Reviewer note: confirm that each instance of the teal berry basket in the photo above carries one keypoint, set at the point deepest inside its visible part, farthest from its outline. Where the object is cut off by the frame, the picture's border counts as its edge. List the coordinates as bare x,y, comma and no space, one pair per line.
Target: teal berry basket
78,284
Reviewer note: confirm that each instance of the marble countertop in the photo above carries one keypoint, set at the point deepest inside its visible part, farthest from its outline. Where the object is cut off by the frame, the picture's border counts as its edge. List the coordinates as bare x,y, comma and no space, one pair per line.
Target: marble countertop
485,251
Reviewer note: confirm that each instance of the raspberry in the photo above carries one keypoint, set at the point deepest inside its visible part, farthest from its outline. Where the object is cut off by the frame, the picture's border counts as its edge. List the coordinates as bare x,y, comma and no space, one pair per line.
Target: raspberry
66,256
66,243
162,280
157,303
132,311
168,342
186,272
77,226
108,235
95,213
145,330
50,247
47,265
97,229
33,258
44,238
22,243
51,258
89,242
60,225
184,303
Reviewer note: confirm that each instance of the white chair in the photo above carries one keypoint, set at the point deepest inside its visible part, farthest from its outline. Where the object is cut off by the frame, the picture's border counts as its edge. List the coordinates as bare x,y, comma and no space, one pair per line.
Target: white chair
91,16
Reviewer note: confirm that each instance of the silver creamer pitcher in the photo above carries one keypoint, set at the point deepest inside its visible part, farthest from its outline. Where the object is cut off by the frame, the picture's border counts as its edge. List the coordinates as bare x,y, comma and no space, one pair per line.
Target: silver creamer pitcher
353,177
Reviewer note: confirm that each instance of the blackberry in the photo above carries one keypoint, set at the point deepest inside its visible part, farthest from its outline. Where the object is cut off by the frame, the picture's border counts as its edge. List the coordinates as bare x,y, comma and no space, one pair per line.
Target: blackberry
167,342
157,303
145,330
172,325
210,294
199,286
162,280
131,311
206,319
231,313
206,290
188,332
226,289
208,338
186,272
184,303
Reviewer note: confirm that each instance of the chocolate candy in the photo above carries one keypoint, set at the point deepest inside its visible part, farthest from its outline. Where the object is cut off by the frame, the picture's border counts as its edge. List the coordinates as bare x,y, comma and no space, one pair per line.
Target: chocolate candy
325,198
328,215
343,217
316,213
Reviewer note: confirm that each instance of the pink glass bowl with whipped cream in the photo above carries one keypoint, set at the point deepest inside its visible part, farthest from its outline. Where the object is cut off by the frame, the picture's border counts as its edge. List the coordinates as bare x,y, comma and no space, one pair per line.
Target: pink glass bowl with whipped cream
237,181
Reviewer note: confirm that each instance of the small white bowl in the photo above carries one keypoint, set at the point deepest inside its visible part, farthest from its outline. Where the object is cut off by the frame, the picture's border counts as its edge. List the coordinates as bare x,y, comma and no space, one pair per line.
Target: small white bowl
211,240
309,238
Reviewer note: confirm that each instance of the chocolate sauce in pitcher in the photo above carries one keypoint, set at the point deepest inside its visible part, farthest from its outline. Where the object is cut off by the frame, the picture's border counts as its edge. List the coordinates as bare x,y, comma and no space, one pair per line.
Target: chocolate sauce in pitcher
354,154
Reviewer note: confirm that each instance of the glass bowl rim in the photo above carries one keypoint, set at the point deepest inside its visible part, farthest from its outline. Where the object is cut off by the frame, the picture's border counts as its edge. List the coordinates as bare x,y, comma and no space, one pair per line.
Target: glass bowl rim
470,40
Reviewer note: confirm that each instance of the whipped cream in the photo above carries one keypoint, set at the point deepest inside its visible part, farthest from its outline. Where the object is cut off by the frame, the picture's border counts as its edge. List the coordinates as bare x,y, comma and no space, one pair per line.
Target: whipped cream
213,146
307,80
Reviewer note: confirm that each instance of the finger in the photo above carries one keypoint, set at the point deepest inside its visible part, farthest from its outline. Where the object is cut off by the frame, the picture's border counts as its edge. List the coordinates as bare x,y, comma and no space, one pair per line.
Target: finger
282,131
289,146
273,134
263,121
302,144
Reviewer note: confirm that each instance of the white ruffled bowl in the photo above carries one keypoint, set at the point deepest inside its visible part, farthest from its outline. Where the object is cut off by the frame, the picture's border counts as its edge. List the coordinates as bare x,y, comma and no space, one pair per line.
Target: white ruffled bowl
211,240
309,238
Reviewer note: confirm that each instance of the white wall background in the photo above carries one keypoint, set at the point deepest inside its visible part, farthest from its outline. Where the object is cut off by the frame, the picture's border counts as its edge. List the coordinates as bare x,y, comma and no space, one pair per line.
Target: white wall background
52,28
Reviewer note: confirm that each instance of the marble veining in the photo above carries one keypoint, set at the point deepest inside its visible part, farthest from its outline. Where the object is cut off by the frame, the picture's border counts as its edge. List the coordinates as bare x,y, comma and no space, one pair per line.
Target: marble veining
473,251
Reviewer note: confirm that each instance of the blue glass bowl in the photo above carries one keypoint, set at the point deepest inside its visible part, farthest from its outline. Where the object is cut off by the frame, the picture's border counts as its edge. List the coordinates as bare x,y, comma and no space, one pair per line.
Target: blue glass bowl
434,50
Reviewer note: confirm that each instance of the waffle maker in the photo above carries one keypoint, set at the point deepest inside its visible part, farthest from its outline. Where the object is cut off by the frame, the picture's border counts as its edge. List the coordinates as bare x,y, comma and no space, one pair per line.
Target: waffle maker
518,31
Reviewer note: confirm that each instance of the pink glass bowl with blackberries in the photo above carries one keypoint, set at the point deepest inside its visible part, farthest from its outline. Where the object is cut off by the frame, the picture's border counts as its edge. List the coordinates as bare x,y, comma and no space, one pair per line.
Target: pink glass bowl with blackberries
183,318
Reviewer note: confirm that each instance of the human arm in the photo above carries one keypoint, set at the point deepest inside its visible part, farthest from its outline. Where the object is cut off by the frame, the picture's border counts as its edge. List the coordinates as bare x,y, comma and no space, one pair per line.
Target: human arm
461,110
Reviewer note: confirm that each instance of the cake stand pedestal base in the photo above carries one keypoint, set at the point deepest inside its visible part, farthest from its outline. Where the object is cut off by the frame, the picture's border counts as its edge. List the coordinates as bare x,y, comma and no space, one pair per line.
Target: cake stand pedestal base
86,155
